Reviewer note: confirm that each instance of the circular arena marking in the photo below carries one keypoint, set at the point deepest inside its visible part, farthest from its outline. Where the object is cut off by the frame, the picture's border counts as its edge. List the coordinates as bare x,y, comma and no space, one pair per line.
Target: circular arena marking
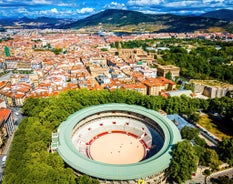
84,136
117,148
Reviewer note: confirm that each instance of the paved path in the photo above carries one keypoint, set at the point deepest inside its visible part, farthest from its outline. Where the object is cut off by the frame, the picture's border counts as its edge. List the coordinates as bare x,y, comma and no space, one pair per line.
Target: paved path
226,172
199,177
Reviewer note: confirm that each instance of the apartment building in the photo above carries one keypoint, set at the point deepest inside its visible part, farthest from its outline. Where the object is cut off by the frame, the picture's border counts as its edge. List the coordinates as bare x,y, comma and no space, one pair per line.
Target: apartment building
6,126
156,85
163,70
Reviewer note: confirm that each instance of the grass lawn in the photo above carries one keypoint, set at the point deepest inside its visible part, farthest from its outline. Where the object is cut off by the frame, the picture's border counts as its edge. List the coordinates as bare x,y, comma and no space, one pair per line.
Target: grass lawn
214,126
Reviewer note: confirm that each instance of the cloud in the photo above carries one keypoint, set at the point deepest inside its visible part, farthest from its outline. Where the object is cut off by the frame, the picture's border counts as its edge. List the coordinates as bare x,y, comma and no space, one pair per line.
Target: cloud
85,10
39,2
15,3
54,10
82,8
178,6
182,4
62,4
50,12
22,10
115,5
213,1
144,2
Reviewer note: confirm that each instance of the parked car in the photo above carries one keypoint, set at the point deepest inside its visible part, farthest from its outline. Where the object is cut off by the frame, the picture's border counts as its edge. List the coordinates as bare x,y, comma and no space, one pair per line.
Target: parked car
4,160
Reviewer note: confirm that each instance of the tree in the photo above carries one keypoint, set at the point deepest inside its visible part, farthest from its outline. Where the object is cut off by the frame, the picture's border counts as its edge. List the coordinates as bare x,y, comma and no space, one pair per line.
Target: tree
210,159
200,142
86,180
168,75
189,133
195,117
43,115
30,104
184,161
224,180
189,86
104,49
226,150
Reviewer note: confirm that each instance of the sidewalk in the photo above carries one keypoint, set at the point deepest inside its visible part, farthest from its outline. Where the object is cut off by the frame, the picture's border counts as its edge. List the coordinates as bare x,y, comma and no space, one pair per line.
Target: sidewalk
8,143
226,172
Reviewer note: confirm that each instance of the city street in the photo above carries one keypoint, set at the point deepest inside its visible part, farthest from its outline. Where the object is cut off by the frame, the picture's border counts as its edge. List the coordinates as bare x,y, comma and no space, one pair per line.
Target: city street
17,116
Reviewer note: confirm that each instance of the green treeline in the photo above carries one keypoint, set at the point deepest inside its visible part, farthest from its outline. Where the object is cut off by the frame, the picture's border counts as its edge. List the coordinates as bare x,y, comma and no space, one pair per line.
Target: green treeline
132,44
197,58
30,161
189,153
204,62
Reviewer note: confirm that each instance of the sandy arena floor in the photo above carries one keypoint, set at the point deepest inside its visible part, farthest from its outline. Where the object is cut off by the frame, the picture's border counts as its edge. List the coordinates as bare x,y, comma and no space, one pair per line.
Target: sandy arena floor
117,148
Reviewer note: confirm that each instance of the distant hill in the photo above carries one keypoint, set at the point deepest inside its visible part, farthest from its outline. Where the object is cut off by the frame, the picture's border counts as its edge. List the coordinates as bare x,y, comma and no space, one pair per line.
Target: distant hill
132,21
223,14
136,21
40,22
113,16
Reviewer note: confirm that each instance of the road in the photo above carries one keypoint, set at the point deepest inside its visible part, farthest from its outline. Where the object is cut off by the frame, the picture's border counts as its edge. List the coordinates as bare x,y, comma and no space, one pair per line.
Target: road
17,116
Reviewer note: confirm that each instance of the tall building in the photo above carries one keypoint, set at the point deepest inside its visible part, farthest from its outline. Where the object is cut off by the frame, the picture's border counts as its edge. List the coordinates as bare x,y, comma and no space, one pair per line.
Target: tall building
6,126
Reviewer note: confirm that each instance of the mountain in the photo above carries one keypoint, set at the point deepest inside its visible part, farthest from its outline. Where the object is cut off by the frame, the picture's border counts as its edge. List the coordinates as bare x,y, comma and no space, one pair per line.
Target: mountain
113,16
133,21
29,23
223,14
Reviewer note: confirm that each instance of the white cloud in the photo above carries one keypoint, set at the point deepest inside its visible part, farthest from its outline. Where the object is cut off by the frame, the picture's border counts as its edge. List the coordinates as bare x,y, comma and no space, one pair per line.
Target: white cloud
85,10
145,2
67,4
49,12
182,4
40,2
54,10
63,4
115,5
213,1
22,10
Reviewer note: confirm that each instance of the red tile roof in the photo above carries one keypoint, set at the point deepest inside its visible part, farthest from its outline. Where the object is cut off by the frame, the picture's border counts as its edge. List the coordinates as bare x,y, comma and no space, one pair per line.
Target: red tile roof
4,114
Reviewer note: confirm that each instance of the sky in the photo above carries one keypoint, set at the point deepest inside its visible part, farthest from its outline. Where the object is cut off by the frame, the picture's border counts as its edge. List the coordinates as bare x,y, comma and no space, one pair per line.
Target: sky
78,9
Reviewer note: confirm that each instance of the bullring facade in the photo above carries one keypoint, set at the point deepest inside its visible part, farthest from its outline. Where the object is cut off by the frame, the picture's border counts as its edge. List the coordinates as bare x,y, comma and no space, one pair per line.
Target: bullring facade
118,142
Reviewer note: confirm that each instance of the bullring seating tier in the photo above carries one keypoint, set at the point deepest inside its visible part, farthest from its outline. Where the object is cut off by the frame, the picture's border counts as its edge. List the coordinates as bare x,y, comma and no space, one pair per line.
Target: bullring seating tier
85,134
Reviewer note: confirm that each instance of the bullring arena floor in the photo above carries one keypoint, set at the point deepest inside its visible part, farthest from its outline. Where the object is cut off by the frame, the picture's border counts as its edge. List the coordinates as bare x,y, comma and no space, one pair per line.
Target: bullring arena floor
117,148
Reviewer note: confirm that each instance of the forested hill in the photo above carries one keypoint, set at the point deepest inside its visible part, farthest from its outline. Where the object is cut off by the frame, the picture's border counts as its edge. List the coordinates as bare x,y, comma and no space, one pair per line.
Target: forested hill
31,23
125,19
114,16
223,14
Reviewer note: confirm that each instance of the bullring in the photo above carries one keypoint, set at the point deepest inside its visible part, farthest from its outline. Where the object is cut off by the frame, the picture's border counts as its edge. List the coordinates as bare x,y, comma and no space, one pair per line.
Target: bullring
143,129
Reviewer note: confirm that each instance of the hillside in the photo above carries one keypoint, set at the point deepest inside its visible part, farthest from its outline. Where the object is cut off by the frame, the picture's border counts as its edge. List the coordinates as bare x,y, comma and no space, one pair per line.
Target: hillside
223,14
132,21
113,16
30,23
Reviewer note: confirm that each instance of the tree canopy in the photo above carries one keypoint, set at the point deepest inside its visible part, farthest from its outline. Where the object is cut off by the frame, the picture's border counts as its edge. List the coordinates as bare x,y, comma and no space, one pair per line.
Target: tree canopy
226,150
203,62
29,159
184,161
